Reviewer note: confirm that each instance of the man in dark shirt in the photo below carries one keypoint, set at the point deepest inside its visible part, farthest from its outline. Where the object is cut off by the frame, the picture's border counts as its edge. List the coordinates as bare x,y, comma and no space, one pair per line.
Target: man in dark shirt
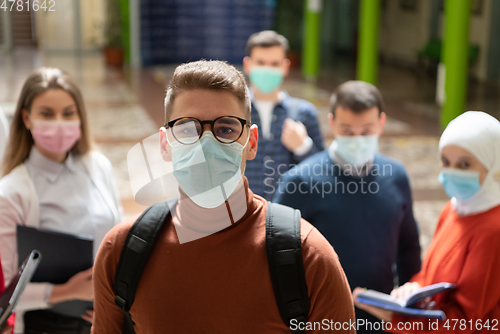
360,200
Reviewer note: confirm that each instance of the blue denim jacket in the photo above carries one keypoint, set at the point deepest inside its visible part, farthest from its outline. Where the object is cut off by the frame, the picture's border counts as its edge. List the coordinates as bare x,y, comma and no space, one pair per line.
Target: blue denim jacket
273,159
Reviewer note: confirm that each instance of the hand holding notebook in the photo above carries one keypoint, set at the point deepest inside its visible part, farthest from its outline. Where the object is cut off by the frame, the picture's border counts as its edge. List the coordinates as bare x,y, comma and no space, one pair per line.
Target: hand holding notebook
407,306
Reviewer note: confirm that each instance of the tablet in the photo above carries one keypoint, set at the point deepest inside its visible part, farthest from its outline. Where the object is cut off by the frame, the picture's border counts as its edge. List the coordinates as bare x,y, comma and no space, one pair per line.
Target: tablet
11,295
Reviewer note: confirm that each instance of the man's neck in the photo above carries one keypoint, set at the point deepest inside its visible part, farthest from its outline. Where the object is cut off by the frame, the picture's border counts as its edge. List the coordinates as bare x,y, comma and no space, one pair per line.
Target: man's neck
193,222
209,219
271,97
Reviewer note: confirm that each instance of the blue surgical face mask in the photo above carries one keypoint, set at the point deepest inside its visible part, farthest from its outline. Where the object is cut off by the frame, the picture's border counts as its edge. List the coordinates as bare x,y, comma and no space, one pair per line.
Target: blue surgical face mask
357,150
266,78
207,171
461,184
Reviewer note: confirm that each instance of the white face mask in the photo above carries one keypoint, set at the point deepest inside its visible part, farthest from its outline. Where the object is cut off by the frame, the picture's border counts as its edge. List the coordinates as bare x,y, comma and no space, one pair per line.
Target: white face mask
207,171
357,150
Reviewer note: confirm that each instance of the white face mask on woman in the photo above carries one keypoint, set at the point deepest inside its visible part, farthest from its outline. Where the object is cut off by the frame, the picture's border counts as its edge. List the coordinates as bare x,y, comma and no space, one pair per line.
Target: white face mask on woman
478,133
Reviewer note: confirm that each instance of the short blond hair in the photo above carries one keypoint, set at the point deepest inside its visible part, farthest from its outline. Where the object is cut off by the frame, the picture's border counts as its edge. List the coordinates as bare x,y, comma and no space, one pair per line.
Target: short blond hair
212,75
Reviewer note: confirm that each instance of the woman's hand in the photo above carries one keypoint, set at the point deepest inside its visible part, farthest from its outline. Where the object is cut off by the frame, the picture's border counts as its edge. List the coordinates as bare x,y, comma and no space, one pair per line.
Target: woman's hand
89,316
405,290
375,311
77,287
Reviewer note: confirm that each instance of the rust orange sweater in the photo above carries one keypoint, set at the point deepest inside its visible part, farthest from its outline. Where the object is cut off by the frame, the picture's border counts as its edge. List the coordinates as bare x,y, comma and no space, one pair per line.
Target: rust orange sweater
465,250
219,283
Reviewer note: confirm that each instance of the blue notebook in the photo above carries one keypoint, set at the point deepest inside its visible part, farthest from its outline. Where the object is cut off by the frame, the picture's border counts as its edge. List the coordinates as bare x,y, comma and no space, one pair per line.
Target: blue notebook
408,306
64,255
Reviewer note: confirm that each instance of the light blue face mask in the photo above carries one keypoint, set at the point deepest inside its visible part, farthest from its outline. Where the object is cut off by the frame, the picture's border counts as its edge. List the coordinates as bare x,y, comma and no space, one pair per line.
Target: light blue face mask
207,171
266,78
461,184
357,150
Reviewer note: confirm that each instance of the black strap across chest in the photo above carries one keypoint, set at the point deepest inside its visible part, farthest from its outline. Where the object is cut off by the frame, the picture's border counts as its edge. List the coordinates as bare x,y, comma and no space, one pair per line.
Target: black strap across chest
284,254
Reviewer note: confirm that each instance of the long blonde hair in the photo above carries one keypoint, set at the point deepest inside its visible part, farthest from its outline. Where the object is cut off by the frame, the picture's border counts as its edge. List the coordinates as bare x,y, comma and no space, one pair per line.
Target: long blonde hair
20,139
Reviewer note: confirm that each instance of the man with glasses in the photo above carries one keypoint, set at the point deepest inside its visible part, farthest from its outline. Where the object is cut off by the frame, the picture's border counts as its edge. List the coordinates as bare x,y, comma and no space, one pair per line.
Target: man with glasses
208,271
288,127
358,198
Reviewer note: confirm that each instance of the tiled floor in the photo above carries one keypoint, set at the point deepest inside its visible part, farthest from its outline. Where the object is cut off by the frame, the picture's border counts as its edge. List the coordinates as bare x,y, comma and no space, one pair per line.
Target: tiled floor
125,107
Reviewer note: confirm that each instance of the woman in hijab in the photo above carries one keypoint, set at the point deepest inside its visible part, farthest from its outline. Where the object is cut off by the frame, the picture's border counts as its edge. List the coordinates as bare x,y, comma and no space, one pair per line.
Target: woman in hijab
465,249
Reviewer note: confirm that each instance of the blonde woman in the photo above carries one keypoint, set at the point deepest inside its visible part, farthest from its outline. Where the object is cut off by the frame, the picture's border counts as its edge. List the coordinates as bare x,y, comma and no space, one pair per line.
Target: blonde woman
53,180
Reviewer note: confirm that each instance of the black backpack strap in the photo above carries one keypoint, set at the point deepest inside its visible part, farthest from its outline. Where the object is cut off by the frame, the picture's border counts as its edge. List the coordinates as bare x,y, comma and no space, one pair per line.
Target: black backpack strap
135,254
284,255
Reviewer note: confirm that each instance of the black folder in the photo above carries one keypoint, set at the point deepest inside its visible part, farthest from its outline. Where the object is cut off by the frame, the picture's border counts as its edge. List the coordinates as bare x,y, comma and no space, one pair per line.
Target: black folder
64,255
10,296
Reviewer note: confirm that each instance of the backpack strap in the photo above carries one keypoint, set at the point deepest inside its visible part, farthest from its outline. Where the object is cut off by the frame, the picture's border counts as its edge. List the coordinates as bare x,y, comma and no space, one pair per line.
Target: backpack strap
284,255
135,254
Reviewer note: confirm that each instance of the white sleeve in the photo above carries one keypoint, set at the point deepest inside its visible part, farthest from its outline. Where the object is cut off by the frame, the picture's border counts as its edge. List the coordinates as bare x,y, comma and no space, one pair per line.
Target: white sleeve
4,133
10,216
110,181
116,197
304,148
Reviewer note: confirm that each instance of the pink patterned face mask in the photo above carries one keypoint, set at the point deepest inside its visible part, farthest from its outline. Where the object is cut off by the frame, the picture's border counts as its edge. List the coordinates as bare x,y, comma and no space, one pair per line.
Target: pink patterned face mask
56,136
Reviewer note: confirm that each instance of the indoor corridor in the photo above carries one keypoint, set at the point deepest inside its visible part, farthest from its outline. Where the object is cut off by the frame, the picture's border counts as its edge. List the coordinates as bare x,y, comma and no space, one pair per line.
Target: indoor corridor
125,107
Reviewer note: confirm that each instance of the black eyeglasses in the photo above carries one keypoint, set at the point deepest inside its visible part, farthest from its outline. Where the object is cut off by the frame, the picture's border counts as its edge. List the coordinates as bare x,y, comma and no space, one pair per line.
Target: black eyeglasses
226,129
